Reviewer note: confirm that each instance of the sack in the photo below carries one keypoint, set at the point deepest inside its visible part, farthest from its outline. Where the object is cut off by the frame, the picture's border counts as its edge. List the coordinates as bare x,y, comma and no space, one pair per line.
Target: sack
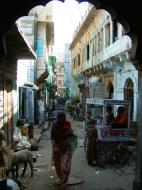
74,142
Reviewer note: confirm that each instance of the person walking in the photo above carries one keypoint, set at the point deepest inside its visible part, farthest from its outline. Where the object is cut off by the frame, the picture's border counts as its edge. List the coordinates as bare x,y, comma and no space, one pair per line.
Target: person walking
41,111
61,134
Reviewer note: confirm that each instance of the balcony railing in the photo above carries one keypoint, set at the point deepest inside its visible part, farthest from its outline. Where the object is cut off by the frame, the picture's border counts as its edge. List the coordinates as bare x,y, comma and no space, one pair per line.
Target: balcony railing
117,48
97,101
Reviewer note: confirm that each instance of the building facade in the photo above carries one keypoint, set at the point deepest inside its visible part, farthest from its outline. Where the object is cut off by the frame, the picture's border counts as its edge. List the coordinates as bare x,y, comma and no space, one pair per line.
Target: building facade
68,80
102,60
61,90
39,30
16,47
44,39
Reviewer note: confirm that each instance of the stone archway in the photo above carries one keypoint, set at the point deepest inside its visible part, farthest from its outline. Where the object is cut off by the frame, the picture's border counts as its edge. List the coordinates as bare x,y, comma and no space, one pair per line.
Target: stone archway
120,11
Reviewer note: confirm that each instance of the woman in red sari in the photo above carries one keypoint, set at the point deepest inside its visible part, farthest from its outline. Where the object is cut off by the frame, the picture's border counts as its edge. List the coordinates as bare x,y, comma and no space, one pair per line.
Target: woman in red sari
61,134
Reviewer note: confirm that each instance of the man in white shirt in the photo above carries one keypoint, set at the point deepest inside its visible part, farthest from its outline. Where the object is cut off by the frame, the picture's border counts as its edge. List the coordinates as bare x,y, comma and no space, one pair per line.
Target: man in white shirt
20,141
41,109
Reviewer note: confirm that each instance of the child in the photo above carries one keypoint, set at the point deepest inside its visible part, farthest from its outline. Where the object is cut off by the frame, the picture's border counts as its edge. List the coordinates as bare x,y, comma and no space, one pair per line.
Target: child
87,119
91,145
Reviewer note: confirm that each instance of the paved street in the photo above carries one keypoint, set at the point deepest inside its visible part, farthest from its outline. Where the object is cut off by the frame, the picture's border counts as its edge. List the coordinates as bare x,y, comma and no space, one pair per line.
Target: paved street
93,178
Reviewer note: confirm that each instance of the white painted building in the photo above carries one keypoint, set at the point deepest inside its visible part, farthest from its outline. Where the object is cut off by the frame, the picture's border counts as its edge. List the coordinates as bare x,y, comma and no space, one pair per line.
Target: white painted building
102,60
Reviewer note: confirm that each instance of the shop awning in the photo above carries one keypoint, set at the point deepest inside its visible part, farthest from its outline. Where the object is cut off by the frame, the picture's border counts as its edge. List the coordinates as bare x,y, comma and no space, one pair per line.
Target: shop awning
31,85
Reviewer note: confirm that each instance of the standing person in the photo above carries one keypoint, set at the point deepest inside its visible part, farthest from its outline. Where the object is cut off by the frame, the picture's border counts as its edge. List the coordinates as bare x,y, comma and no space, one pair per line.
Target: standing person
41,109
109,116
92,138
87,119
61,134
78,110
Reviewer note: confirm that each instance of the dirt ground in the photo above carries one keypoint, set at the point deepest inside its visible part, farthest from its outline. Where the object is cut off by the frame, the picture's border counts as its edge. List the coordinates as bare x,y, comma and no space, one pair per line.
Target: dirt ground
91,178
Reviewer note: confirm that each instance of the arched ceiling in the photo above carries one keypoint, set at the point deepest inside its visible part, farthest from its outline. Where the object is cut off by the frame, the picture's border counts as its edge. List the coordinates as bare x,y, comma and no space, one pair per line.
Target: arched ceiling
124,11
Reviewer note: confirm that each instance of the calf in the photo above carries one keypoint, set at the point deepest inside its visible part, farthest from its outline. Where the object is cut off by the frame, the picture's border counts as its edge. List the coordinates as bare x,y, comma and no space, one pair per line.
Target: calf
20,157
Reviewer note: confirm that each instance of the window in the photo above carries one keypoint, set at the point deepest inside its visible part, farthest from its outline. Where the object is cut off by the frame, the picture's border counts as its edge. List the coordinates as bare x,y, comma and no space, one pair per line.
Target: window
96,44
110,90
27,28
84,54
78,59
99,42
88,50
93,48
74,63
102,38
60,82
129,94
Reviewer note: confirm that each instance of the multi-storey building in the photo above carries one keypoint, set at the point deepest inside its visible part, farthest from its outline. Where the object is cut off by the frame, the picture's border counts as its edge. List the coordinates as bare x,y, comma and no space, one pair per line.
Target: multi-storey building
60,75
16,47
26,71
39,30
44,39
102,60
67,71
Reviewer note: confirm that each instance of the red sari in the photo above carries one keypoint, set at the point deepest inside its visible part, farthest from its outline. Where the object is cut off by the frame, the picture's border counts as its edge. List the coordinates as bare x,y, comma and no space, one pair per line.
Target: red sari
62,151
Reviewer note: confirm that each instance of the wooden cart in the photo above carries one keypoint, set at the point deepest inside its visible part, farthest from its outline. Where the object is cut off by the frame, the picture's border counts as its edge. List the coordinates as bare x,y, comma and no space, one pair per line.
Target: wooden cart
112,140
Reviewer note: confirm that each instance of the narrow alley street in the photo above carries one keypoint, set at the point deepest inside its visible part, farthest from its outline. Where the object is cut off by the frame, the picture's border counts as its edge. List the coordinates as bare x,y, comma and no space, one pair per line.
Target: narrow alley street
85,57
92,178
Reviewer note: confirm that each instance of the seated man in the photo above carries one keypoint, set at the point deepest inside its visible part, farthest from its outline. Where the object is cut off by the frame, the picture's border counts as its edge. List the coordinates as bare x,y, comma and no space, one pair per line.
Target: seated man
20,136
121,120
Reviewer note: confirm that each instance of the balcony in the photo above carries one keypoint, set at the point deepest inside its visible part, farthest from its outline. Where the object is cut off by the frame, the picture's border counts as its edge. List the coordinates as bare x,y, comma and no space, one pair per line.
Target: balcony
117,48
107,57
